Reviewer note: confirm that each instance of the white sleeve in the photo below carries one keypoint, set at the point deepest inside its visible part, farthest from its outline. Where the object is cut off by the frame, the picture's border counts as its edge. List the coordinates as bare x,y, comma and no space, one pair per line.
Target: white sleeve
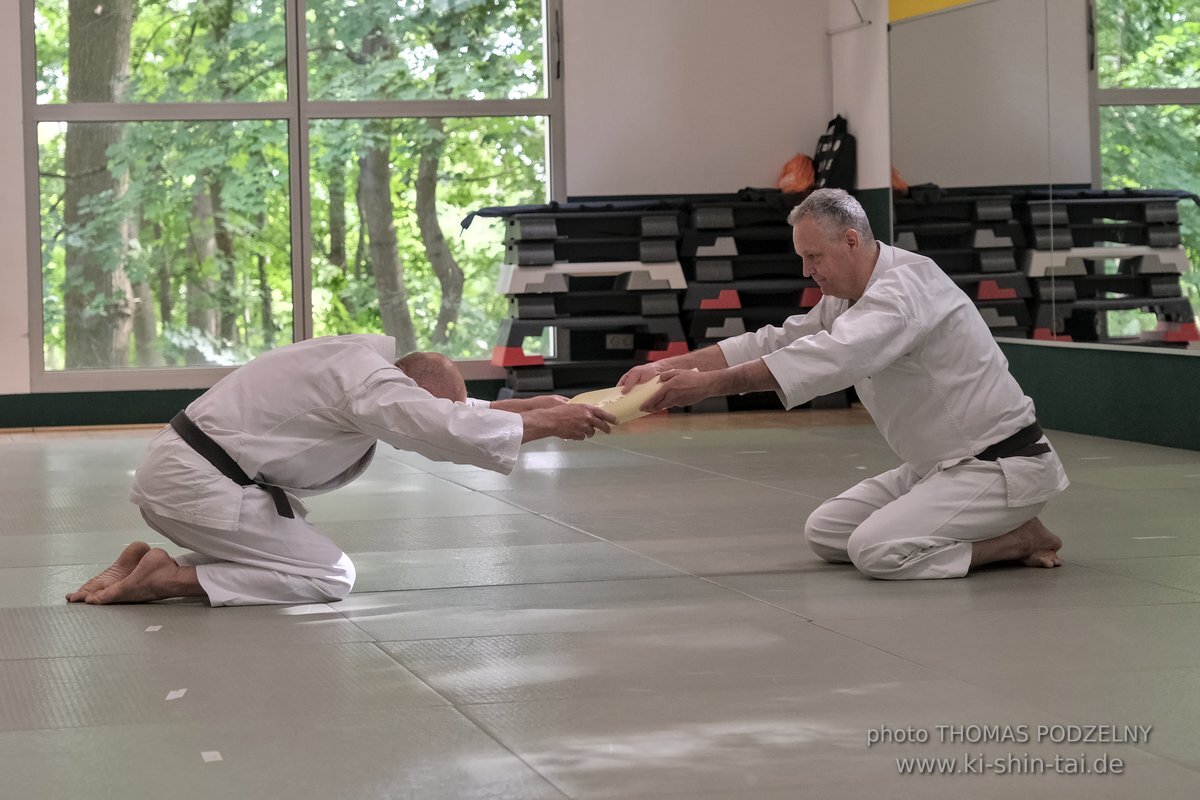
407,417
477,403
769,338
864,340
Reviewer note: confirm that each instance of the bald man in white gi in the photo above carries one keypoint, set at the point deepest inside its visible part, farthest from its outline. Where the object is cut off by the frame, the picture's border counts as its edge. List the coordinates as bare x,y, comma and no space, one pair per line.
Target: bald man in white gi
303,419
977,469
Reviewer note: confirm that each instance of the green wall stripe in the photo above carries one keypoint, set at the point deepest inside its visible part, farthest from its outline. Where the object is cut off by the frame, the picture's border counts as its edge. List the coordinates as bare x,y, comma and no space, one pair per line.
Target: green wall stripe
143,407
1144,396
93,408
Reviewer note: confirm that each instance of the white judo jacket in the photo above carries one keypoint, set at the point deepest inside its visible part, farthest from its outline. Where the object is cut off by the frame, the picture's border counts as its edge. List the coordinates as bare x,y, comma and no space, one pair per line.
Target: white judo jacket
923,362
306,417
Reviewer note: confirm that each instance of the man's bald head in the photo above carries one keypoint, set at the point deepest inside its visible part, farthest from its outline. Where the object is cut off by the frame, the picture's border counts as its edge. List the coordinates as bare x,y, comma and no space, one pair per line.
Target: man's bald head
436,374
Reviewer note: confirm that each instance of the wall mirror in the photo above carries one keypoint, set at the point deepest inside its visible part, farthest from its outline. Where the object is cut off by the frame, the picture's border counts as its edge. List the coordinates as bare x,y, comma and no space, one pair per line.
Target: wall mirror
1058,138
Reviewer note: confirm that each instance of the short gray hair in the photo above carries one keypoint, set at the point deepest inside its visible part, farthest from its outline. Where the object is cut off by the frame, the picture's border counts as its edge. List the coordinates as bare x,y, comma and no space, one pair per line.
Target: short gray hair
834,210
436,374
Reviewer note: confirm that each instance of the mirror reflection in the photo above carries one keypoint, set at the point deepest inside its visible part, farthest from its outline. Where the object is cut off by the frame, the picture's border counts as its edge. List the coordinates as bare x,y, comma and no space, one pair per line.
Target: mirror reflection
1050,160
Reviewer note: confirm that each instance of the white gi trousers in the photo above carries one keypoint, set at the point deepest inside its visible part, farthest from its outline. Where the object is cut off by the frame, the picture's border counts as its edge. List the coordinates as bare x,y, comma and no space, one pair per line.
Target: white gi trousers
269,560
902,526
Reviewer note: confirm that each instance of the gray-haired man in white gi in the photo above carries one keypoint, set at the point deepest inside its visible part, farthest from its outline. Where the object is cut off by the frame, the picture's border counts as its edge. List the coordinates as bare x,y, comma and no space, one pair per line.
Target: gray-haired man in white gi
977,470
303,419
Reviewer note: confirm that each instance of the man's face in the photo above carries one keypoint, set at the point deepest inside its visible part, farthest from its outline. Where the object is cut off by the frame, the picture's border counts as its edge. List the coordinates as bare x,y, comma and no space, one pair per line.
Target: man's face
834,263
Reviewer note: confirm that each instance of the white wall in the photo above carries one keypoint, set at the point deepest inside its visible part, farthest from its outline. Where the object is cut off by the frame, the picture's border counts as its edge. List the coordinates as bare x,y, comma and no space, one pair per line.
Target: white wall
14,286
859,59
683,96
978,101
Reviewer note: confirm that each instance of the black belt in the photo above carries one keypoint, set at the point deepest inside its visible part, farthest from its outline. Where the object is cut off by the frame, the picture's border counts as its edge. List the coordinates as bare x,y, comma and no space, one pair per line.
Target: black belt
205,446
1022,443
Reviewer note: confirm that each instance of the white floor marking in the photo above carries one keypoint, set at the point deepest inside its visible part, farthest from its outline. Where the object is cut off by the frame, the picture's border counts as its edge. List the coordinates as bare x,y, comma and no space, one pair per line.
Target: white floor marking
175,694
153,628
1154,537
211,755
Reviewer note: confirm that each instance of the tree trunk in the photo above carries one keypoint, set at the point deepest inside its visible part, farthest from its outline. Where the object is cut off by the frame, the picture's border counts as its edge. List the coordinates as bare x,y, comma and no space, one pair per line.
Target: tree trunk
360,248
386,265
203,315
445,267
265,296
162,275
97,293
337,215
227,309
145,324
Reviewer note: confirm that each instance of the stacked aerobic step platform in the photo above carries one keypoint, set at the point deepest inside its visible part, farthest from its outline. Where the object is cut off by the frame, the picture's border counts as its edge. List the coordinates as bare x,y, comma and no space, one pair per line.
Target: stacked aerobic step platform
975,239
743,273
598,286
598,289
1091,252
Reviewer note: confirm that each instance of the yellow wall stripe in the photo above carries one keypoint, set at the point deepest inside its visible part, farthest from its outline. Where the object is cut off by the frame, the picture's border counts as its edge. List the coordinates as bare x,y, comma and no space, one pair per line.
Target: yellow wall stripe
903,9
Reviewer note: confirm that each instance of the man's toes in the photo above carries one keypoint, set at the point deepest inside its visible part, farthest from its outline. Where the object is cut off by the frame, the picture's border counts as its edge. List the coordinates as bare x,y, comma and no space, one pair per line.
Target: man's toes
99,598
1046,559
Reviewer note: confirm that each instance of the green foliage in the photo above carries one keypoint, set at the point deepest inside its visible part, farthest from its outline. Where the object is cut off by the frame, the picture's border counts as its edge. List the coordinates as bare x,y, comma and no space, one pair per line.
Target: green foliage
235,263
167,164
484,162
1152,44
1145,44
423,49
181,51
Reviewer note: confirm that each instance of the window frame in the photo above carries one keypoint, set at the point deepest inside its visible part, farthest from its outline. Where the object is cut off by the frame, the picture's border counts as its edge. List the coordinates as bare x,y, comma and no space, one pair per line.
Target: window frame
297,112
1102,98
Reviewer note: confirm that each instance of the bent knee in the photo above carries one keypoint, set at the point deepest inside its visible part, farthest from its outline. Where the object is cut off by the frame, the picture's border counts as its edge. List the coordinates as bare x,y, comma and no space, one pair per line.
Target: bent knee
871,560
337,585
827,543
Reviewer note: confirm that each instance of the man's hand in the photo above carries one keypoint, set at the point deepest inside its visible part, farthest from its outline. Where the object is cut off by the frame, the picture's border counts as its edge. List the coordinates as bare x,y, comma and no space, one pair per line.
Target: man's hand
681,387
519,404
706,360
567,421
640,374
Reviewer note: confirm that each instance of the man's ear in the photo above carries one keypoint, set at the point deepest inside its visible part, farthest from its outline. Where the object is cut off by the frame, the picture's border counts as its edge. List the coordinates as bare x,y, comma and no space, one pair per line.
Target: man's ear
852,239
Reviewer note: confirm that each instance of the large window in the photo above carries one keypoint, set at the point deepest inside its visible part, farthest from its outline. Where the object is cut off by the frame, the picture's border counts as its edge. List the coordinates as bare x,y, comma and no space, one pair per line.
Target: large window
217,177
1148,111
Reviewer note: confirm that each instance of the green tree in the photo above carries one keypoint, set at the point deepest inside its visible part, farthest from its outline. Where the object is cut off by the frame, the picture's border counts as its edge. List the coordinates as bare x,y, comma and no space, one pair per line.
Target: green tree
1153,44
169,242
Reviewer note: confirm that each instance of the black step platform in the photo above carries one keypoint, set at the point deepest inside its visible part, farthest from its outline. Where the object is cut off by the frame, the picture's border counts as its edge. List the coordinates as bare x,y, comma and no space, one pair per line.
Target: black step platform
592,225
793,292
718,269
594,303
540,254
994,286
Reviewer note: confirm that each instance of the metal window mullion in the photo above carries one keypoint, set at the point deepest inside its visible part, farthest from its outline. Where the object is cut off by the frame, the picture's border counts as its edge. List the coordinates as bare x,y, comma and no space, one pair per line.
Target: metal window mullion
123,379
33,232
1147,97
395,109
552,20
298,190
159,112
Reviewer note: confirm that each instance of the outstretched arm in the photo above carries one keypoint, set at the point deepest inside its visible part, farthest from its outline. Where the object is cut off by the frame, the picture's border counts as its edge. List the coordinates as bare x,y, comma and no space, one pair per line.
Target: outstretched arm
566,421
518,405
706,360
682,387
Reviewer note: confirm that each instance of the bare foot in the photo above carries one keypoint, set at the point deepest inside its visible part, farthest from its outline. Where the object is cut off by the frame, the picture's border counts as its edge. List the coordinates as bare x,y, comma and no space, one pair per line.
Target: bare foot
1043,545
1031,543
156,577
124,565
